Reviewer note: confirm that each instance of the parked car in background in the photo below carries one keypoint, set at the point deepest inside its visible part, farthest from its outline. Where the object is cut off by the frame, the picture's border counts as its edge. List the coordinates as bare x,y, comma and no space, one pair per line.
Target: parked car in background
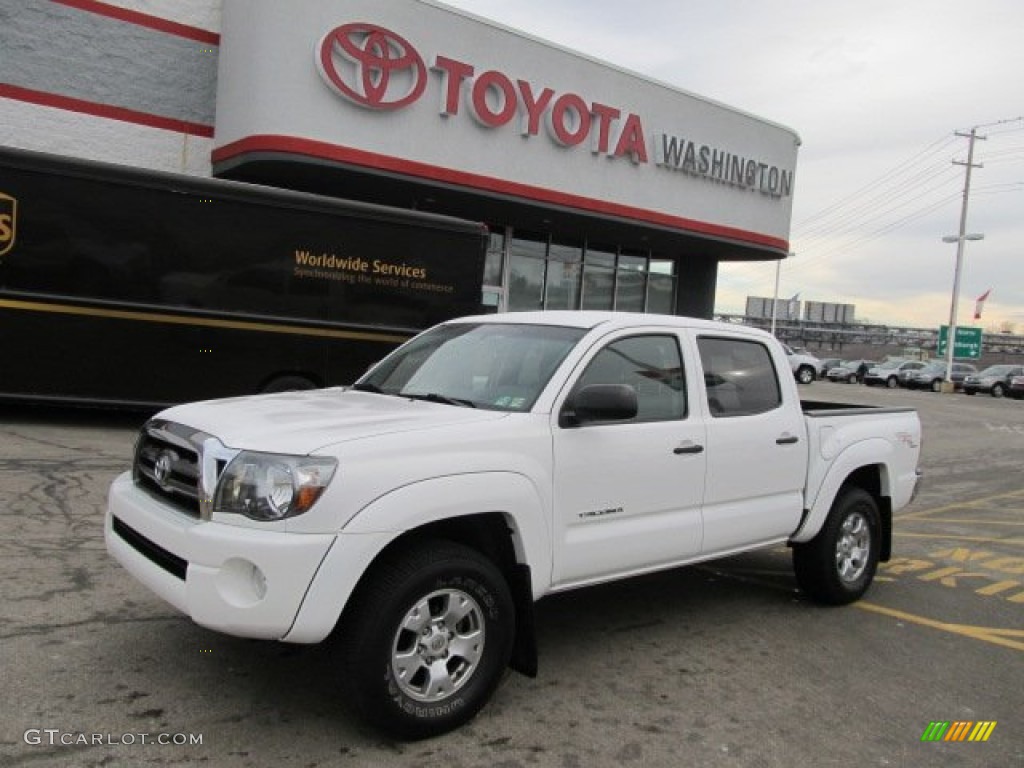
903,377
1016,388
995,380
888,373
828,363
806,367
852,371
933,374
846,372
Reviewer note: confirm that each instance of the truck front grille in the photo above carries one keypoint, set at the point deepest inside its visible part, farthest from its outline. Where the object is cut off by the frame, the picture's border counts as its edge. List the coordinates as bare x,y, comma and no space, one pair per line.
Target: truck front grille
169,471
180,466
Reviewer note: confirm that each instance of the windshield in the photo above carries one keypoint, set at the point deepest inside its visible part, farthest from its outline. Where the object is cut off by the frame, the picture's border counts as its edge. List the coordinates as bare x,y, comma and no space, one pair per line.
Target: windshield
997,370
488,365
888,365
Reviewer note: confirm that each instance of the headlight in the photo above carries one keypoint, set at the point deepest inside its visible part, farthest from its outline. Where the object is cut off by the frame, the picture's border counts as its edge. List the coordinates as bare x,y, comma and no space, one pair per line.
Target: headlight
265,486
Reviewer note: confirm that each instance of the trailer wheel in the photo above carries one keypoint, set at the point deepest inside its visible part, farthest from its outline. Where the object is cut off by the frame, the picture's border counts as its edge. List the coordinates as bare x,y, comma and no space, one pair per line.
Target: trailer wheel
837,566
427,639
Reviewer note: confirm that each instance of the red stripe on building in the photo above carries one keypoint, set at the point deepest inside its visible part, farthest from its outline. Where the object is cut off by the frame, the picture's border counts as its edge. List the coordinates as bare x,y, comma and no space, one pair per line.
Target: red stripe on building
372,160
144,20
104,110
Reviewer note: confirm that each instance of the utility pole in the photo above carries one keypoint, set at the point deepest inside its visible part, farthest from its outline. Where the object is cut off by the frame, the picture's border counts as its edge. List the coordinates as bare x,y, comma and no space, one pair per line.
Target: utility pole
961,237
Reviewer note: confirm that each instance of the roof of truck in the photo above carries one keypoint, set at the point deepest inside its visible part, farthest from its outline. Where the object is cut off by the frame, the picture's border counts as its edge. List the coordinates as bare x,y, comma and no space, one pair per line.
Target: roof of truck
590,320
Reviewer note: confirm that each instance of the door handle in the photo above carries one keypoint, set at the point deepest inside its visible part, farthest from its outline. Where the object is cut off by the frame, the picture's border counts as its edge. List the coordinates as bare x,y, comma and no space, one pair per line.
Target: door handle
688,448
787,440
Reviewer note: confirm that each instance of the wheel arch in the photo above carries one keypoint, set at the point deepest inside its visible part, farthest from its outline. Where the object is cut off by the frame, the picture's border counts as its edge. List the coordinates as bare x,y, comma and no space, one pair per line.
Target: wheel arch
493,535
857,467
498,514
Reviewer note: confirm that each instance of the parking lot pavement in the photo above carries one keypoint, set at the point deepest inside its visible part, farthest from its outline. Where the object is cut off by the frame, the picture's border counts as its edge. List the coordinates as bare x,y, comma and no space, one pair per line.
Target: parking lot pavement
721,664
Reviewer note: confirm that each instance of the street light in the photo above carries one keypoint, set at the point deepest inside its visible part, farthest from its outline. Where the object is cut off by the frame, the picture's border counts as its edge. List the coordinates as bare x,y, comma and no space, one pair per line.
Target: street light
775,296
951,333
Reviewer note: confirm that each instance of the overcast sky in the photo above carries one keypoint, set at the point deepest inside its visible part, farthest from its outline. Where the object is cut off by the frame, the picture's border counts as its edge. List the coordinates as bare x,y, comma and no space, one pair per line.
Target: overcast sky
876,89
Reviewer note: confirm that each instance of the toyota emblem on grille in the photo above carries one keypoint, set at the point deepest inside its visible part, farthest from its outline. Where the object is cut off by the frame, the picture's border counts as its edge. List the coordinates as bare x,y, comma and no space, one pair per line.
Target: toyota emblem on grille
163,467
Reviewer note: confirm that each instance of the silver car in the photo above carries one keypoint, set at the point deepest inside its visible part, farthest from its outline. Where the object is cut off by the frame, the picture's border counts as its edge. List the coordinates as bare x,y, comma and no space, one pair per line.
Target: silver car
994,380
889,373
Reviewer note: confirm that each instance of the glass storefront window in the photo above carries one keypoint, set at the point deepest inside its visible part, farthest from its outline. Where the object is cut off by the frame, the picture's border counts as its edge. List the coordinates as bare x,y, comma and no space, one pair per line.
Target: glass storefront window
631,283
598,278
563,279
495,259
546,274
661,283
526,268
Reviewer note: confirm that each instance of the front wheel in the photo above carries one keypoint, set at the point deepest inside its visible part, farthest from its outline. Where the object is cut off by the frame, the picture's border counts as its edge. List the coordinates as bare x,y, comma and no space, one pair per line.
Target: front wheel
891,382
837,566
937,385
805,375
998,390
427,639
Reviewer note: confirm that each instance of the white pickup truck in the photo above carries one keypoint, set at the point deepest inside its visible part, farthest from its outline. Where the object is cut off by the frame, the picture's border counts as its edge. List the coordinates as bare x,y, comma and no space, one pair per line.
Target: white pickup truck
486,463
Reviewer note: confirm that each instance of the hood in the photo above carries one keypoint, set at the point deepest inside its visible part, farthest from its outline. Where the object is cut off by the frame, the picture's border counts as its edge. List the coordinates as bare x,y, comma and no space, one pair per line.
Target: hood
303,422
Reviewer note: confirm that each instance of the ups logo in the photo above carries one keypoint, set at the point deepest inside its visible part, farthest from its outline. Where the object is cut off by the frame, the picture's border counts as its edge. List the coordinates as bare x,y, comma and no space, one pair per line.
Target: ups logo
8,222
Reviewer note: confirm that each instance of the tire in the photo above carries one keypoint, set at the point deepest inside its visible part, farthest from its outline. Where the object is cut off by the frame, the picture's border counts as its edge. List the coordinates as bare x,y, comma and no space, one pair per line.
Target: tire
937,385
427,639
892,382
969,392
852,379
805,374
838,565
998,390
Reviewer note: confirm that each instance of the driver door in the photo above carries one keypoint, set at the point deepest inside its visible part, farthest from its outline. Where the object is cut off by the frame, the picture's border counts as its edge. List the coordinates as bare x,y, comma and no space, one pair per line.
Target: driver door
627,494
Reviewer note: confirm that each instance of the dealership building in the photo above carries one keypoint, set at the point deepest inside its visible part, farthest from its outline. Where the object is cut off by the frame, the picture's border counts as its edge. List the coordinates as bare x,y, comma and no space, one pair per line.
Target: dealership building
602,189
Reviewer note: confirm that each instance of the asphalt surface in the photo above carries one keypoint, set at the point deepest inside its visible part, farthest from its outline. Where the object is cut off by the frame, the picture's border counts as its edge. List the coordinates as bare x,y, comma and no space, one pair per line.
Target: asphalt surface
723,664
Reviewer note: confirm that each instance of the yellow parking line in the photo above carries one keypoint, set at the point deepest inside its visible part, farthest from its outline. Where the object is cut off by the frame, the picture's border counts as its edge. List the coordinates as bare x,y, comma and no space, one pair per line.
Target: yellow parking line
968,522
961,505
954,537
986,634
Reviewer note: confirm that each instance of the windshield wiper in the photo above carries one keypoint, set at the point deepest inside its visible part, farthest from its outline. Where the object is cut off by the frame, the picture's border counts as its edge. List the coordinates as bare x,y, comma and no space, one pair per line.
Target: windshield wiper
433,397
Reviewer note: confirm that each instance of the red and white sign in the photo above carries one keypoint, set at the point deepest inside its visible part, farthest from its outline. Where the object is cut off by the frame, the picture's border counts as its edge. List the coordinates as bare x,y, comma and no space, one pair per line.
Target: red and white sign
414,88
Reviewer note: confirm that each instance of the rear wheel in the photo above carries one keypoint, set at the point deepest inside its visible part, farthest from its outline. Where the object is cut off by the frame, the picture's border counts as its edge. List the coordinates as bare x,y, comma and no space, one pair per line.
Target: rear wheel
837,566
427,639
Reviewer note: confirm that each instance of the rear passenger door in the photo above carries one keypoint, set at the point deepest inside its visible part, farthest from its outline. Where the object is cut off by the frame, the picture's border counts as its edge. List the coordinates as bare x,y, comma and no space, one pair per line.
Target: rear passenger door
627,494
756,446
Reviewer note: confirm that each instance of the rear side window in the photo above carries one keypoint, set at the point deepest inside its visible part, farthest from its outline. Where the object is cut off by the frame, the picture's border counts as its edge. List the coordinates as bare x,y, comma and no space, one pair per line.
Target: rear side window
739,377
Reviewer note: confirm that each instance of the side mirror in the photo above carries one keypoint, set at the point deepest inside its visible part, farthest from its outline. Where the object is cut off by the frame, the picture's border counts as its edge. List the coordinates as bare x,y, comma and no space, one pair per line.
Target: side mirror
600,402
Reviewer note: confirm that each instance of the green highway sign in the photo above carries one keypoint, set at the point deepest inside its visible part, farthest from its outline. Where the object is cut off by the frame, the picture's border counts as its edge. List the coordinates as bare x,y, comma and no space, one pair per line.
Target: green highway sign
968,342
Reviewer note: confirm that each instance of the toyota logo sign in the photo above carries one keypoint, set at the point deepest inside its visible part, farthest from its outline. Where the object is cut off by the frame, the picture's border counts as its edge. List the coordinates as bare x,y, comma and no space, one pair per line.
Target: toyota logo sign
371,66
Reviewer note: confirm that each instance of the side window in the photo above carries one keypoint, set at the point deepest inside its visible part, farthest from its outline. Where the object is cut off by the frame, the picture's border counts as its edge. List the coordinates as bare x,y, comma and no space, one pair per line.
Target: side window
739,377
652,365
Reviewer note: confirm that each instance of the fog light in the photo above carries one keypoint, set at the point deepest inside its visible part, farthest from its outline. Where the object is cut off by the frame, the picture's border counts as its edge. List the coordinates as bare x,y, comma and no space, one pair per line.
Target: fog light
241,583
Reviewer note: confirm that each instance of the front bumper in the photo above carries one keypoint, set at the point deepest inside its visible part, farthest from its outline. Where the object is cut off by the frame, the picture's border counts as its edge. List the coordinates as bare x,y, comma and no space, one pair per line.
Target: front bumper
241,581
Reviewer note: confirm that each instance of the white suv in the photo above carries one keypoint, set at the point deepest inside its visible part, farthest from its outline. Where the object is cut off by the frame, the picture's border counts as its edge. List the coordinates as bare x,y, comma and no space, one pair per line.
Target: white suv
805,367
